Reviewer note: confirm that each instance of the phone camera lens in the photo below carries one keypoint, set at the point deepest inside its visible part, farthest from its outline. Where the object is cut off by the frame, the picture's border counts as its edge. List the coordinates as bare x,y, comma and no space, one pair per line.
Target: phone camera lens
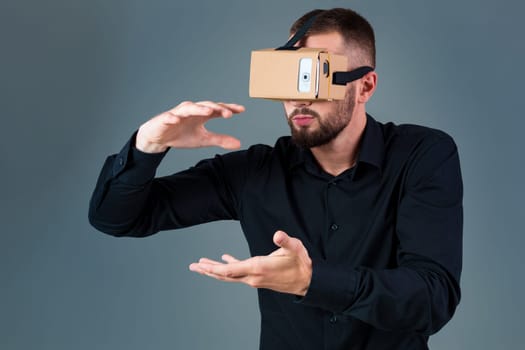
306,77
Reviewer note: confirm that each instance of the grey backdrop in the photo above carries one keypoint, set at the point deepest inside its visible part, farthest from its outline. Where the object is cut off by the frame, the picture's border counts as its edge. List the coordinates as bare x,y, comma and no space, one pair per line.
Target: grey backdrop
78,77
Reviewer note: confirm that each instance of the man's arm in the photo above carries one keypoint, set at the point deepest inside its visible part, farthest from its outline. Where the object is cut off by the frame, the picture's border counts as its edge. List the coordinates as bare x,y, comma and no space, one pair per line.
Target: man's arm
288,269
420,295
128,200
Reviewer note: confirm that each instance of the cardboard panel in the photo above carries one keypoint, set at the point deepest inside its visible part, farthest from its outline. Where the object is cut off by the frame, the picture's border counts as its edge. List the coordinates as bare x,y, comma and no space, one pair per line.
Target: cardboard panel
276,74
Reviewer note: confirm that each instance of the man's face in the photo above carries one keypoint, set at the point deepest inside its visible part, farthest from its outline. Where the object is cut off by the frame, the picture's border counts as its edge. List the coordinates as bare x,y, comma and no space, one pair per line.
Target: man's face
315,124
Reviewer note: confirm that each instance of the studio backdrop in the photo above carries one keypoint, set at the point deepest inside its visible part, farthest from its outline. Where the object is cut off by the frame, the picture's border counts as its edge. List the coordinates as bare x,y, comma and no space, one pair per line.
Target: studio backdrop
77,78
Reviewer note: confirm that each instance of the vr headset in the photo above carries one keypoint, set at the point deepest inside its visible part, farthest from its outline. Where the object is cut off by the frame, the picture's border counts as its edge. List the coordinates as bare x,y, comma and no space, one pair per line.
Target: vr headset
293,73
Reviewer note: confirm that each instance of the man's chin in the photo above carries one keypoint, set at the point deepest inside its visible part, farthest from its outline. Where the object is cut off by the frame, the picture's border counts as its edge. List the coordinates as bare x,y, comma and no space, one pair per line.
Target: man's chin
304,139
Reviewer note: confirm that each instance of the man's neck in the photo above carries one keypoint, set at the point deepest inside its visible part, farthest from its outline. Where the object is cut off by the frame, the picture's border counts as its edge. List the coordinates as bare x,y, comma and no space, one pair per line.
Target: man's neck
341,153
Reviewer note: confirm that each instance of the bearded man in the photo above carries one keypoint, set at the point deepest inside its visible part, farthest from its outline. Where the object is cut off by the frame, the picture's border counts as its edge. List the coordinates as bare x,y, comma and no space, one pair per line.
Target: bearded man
354,226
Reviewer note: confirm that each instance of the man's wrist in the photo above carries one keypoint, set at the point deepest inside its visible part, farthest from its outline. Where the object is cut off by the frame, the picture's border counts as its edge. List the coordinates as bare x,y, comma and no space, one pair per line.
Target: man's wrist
148,147
331,287
308,278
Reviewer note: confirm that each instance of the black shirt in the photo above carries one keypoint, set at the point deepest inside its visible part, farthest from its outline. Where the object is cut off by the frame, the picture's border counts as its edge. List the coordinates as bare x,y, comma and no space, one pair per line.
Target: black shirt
385,237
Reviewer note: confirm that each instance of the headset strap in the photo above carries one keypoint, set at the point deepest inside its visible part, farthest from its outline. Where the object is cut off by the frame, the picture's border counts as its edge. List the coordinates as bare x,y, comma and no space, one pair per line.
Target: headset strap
341,78
338,78
298,35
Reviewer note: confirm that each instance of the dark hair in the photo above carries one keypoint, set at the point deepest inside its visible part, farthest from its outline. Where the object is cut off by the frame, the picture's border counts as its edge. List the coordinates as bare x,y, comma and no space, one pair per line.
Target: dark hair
354,28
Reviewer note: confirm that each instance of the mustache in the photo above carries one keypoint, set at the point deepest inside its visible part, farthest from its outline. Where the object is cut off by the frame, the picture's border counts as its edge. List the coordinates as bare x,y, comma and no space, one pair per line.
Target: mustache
305,111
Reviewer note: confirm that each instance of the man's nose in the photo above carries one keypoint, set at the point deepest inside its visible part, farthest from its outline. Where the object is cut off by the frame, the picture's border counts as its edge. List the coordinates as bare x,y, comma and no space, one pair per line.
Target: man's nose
299,103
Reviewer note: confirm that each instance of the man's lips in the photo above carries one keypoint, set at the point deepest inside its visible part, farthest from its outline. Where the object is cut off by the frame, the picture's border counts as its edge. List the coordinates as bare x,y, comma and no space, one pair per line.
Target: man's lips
302,119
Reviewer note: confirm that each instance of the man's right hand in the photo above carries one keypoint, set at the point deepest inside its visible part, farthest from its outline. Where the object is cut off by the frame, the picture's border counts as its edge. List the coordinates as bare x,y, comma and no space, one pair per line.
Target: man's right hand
183,127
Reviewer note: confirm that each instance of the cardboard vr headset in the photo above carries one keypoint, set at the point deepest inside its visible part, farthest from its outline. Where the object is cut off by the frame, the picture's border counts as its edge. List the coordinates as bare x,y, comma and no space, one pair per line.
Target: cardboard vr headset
301,74
293,73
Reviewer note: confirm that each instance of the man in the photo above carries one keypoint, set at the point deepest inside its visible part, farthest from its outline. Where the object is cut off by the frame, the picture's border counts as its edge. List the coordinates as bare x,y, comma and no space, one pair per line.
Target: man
354,226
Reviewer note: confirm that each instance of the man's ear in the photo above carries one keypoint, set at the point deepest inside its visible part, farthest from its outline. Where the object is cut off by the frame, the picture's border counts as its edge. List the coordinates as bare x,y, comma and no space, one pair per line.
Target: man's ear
367,86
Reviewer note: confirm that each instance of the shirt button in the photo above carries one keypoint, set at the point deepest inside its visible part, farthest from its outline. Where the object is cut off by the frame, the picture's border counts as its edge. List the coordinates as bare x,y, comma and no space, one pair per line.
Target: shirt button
333,319
120,161
334,227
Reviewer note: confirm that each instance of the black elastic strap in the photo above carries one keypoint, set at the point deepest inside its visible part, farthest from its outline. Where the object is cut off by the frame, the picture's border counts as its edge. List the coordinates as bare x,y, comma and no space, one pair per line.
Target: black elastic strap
338,78
341,78
298,35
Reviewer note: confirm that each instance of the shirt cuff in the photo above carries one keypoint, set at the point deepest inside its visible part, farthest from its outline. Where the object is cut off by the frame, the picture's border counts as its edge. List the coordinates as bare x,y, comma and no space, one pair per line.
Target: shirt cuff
134,167
331,288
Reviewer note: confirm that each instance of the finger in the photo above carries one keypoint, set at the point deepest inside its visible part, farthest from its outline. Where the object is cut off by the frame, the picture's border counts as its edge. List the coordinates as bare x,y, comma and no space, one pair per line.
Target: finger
231,270
234,107
188,109
209,261
198,268
195,267
229,259
226,110
281,239
225,279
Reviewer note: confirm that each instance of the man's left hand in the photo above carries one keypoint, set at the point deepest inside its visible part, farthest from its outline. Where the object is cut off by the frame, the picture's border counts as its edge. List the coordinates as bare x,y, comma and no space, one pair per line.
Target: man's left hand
287,269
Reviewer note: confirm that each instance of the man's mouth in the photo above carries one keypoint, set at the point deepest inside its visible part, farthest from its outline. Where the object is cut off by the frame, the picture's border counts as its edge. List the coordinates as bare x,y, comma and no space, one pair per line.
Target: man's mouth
302,119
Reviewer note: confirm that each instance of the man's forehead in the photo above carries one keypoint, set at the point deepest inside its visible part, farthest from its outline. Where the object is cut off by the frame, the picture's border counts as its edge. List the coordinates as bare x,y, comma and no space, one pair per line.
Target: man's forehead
331,41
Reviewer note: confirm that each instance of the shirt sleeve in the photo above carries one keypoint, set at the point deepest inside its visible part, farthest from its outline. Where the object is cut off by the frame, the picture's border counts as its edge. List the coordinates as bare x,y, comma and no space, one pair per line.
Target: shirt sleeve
422,293
129,201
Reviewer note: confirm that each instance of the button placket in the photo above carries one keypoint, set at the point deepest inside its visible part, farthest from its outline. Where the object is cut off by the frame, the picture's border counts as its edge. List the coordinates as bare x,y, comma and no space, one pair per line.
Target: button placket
332,226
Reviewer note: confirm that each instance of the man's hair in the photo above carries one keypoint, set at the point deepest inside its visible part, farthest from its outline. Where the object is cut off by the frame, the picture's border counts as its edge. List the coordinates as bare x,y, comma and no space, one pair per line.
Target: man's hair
355,29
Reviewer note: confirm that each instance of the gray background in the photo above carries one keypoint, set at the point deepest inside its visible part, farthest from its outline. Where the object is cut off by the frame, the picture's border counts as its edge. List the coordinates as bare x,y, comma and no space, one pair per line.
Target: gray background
78,77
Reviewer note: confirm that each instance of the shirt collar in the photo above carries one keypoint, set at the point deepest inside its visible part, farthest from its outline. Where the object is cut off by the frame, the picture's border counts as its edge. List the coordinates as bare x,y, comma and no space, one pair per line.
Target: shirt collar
371,149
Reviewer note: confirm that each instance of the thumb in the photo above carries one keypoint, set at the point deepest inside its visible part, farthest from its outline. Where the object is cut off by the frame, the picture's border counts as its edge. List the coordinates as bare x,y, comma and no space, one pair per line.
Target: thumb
224,141
281,239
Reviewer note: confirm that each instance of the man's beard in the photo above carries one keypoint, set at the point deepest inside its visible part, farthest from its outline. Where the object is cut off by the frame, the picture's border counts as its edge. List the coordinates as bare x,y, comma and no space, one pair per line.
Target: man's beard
328,128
